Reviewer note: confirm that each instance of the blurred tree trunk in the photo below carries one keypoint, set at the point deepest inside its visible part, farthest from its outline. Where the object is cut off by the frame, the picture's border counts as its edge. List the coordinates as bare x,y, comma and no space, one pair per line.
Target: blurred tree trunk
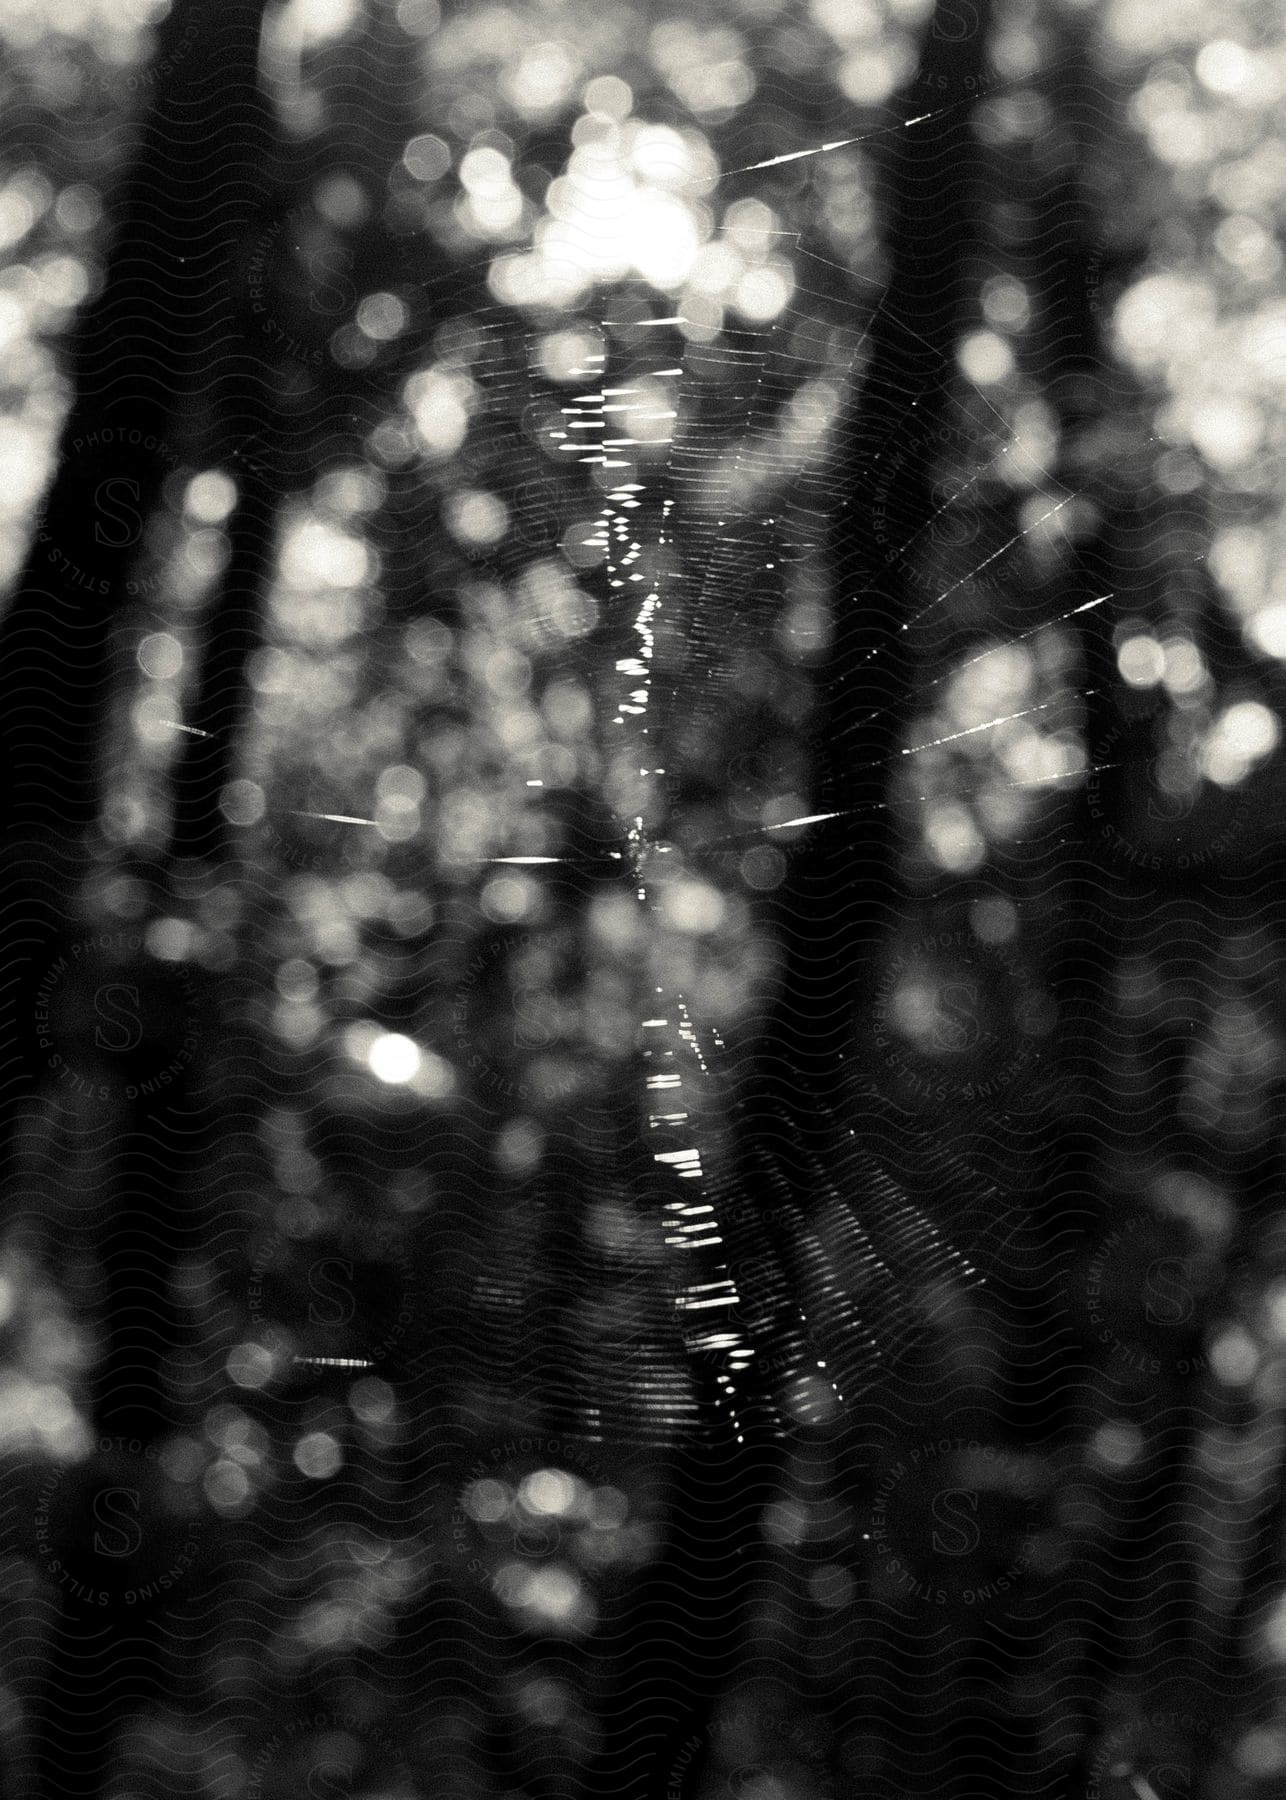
149,349
1194,1544
844,885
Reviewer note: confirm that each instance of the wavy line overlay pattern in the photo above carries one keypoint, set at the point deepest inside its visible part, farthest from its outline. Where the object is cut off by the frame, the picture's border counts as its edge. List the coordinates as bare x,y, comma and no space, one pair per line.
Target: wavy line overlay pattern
641,912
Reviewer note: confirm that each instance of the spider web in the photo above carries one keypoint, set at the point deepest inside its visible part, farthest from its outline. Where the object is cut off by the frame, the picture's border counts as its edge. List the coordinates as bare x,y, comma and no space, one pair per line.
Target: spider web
799,1303
709,473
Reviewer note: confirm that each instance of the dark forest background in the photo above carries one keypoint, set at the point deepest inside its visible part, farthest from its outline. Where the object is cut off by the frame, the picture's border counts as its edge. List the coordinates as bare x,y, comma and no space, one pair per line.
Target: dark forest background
643,968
